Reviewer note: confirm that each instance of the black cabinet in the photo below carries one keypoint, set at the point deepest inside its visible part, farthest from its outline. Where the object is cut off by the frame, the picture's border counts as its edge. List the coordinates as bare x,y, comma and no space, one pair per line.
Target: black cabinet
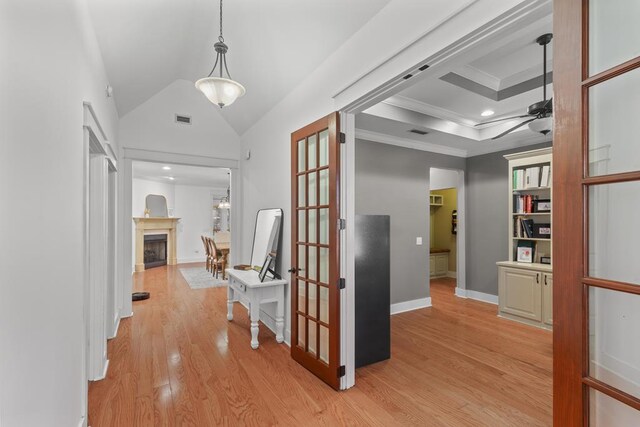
372,289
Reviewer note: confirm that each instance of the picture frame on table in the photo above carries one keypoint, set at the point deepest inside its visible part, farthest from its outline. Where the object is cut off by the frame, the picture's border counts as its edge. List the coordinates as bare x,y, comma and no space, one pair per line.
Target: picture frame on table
266,267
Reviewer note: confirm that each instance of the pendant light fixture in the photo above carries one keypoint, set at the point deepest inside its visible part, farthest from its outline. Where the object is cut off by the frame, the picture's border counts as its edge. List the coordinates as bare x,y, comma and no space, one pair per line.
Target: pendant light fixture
220,90
224,202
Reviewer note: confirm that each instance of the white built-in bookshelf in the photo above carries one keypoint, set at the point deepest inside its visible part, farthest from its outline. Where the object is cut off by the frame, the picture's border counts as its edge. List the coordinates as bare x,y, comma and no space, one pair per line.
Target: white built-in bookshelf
525,280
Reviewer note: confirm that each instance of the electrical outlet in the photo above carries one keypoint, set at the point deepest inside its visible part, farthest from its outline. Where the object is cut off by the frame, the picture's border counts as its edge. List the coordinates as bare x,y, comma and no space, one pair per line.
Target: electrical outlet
419,241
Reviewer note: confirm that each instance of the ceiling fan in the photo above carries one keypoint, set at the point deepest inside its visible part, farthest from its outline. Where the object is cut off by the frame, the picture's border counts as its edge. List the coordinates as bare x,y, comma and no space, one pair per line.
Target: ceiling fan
540,111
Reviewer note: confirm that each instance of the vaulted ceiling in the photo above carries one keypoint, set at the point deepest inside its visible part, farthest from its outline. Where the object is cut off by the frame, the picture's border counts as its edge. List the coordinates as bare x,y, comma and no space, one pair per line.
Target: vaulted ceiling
273,45
502,74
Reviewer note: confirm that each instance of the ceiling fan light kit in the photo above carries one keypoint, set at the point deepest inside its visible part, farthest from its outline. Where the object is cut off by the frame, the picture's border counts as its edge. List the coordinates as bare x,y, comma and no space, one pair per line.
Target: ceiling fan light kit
220,90
539,114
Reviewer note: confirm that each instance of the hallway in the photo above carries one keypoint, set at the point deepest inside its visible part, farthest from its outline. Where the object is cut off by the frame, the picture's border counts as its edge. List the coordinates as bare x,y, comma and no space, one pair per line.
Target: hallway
178,361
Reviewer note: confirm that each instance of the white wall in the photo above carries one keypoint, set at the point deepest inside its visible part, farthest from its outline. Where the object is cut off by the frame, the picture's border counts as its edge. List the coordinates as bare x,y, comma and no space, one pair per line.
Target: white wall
50,65
143,187
350,72
442,178
195,206
152,126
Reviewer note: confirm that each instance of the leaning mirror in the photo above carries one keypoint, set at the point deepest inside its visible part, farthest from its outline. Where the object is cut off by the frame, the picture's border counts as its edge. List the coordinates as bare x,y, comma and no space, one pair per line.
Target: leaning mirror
156,205
266,237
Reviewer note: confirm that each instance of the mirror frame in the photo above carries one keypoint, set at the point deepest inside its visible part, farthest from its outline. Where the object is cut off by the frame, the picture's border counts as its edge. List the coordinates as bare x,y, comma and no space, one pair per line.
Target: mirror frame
276,263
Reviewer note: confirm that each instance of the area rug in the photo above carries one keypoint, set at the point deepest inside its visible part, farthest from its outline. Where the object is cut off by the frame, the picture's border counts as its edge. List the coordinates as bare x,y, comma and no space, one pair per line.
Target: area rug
200,278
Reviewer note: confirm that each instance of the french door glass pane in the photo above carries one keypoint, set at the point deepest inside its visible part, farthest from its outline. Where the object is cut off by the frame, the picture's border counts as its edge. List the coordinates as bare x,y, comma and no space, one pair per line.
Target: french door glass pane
313,189
614,248
324,265
302,159
313,223
312,300
605,411
302,226
613,33
302,186
613,124
313,152
324,148
324,187
301,328
313,264
302,261
324,226
324,344
312,336
301,295
324,304
614,339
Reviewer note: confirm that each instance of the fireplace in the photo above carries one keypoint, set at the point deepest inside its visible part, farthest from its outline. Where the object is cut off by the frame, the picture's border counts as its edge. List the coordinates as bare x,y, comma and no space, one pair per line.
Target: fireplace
155,250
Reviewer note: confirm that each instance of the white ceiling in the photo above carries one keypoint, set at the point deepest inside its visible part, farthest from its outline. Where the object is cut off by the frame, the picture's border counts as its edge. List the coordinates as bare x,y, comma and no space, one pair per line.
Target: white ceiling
450,110
183,175
273,45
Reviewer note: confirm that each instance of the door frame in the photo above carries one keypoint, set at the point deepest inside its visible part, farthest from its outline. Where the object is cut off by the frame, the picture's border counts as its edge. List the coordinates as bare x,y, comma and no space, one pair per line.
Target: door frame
125,237
98,212
461,243
409,59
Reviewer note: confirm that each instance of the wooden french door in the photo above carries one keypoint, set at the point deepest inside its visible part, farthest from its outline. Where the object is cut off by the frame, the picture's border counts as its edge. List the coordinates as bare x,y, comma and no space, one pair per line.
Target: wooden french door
596,169
315,248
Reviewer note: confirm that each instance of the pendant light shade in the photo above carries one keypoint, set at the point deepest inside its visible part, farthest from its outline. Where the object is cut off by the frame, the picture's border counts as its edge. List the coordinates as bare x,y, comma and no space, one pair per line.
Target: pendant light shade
220,91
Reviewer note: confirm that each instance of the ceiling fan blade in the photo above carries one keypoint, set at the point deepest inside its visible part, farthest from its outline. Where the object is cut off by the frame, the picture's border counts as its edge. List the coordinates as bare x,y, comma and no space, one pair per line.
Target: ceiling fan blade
505,118
514,128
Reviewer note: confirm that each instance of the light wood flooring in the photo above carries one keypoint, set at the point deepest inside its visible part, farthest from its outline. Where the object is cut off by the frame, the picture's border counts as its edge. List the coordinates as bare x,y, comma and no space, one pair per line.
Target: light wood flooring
178,362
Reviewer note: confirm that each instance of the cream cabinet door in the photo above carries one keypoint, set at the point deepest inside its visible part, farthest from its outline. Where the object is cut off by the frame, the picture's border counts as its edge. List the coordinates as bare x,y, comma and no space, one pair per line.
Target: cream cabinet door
432,265
520,293
442,264
547,299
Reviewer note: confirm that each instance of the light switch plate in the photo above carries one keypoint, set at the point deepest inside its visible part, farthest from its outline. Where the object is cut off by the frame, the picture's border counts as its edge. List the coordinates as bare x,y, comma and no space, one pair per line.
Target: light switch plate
418,241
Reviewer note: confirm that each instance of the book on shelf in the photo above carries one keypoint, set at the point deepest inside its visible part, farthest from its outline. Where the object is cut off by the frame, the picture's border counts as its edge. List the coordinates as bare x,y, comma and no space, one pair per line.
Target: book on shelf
545,176
524,203
532,177
523,228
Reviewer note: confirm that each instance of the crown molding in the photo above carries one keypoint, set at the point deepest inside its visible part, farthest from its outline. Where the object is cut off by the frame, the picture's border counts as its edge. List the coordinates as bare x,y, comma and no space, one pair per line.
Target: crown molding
409,143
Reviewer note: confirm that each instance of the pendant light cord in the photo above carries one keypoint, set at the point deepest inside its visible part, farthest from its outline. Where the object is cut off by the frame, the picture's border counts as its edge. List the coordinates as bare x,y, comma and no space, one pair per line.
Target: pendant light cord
221,38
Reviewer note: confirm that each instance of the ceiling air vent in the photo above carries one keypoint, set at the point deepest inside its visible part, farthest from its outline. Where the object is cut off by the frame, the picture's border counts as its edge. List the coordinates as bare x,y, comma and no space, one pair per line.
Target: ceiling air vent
186,120
418,131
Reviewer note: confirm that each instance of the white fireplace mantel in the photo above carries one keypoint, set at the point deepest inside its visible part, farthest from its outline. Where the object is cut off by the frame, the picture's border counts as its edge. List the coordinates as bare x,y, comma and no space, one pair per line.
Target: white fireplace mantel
155,225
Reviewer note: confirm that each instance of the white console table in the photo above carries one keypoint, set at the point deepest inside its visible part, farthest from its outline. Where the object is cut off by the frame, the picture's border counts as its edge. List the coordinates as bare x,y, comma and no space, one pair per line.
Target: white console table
246,286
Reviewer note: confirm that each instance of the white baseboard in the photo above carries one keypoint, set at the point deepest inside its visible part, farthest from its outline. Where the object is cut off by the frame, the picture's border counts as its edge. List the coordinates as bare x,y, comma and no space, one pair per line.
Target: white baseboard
116,323
104,372
190,260
478,296
124,316
401,307
452,274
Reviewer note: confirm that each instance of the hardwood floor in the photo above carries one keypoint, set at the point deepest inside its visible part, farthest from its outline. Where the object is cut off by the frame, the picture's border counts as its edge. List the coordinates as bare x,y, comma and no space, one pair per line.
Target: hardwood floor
178,361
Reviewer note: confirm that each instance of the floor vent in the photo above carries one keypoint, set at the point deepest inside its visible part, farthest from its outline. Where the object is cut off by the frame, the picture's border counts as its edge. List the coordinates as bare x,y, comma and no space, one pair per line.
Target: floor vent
418,131
183,119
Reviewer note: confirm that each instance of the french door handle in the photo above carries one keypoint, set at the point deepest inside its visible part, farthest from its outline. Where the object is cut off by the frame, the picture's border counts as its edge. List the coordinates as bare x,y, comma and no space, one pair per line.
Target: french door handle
293,270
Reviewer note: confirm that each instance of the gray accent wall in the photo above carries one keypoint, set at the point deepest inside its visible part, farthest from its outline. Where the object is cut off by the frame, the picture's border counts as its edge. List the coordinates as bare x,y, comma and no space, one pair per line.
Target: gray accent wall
393,181
487,197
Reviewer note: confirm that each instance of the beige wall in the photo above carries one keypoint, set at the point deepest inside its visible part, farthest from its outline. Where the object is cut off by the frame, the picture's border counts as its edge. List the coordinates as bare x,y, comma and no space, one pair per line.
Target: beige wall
441,236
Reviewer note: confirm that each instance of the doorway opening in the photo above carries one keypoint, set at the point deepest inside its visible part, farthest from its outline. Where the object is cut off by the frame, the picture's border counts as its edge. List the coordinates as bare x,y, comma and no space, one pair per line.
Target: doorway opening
446,236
